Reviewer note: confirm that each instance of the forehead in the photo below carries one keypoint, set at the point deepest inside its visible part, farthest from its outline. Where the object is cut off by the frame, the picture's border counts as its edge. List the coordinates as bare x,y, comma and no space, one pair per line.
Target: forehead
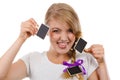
53,23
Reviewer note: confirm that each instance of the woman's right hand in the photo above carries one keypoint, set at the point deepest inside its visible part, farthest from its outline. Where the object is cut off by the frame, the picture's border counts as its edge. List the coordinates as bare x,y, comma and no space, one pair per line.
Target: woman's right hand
28,28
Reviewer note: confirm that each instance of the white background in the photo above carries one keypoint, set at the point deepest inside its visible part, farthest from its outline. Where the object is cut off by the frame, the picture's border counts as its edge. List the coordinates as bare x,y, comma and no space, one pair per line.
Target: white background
100,20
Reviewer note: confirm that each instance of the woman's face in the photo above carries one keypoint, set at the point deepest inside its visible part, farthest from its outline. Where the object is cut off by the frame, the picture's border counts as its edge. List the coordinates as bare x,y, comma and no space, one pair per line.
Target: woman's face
61,36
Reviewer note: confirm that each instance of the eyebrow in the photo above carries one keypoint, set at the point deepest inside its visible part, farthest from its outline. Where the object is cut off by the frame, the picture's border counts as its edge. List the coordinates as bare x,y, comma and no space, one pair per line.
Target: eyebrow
60,28
55,28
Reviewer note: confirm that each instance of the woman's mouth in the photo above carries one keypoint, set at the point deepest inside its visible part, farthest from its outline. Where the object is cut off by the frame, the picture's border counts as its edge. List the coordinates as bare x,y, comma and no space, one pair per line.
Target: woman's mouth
62,45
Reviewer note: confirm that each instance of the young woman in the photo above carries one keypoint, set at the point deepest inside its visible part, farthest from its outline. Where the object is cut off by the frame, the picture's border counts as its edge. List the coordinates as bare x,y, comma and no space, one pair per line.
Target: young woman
64,31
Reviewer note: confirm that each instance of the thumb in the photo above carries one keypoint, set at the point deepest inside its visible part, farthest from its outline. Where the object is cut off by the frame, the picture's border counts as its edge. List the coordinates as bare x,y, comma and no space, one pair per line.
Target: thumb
88,50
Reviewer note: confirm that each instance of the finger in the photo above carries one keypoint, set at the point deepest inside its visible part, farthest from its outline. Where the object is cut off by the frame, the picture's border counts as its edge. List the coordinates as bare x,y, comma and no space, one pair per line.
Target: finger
32,26
29,31
88,50
99,59
33,22
97,51
97,46
28,27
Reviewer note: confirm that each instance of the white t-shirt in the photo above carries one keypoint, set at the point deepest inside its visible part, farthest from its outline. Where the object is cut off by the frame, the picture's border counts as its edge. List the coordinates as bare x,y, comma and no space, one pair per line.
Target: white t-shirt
40,68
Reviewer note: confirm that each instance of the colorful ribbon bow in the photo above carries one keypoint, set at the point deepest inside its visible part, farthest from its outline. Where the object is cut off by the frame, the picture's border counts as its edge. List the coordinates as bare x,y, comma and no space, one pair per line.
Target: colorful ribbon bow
79,62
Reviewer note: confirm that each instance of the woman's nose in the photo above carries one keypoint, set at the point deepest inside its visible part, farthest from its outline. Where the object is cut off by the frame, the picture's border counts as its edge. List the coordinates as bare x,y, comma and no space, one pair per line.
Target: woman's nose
64,36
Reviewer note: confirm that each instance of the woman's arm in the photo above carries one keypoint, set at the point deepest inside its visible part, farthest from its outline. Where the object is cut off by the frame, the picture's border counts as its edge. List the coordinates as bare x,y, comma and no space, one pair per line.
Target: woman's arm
97,51
28,28
7,59
102,71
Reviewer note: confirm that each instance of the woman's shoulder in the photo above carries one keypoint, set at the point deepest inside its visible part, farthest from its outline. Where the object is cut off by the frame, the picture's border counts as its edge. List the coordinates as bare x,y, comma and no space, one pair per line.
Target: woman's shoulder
87,57
89,62
83,55
34,55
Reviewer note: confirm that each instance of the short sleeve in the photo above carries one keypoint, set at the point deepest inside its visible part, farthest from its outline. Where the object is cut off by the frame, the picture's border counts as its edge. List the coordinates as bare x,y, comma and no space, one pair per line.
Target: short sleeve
92,64
30,61
26,60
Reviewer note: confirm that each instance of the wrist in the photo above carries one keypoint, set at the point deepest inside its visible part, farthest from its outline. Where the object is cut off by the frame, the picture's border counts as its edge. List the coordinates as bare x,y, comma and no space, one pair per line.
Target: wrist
101,60
22,37
102,64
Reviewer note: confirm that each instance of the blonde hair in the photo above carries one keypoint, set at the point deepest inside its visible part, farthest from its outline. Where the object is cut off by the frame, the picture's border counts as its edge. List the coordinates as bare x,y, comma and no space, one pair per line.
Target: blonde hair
65,13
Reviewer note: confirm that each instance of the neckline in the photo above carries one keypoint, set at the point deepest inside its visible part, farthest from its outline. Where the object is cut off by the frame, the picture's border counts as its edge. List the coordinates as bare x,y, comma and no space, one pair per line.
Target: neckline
46,56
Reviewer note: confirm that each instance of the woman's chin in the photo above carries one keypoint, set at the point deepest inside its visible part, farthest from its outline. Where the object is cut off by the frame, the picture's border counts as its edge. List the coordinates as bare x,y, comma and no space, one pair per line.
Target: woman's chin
62,51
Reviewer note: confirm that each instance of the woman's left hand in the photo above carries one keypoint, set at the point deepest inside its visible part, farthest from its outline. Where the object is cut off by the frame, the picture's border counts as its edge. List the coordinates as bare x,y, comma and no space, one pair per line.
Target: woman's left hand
97,51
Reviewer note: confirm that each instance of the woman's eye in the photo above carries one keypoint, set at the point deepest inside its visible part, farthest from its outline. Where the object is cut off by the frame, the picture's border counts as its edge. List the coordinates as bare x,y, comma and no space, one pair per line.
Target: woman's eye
55,30
70,30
